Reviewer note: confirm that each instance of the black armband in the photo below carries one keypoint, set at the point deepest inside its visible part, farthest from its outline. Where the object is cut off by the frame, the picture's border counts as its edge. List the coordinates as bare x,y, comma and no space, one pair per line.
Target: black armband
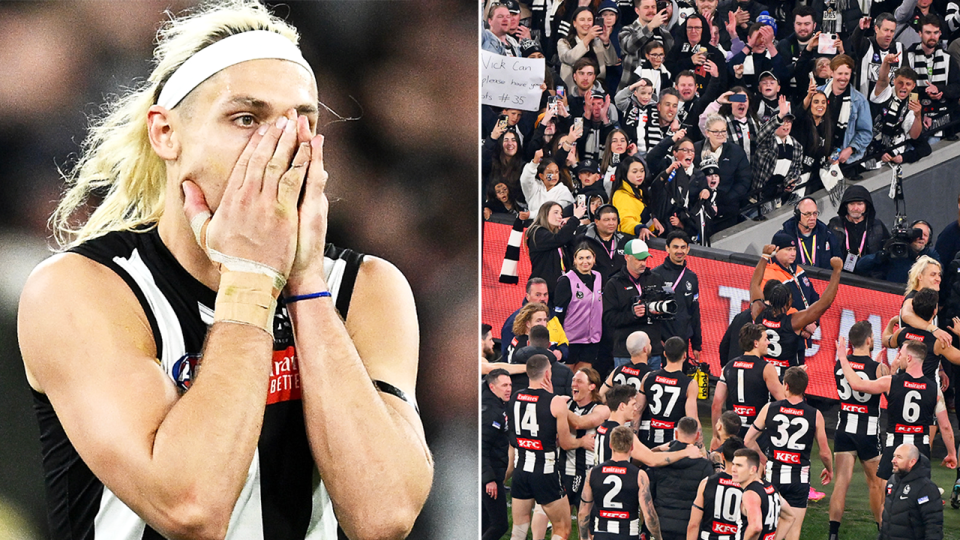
388,388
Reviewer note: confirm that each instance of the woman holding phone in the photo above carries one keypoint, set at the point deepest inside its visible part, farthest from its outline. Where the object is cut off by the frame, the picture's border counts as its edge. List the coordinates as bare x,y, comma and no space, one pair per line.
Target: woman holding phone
585,39
548,242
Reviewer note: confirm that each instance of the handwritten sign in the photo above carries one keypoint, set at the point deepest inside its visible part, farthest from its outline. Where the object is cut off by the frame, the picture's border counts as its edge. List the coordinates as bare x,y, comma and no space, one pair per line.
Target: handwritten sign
511,82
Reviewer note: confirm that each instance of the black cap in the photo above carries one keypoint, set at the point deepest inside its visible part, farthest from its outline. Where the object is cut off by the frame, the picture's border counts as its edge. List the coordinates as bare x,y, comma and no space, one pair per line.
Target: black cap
783,240
512,5
709,166
589,165
528,47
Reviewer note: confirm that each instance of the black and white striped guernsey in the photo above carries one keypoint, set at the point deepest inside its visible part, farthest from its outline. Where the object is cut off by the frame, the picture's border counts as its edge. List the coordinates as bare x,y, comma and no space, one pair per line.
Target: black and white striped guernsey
792,428
911,409
859,411
534,431
283,497
769,509
747,391
576,461
721,508
666,394
616,500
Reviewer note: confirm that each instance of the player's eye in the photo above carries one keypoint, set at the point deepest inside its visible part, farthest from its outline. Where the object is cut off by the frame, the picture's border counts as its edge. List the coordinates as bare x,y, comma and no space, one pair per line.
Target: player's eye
245,120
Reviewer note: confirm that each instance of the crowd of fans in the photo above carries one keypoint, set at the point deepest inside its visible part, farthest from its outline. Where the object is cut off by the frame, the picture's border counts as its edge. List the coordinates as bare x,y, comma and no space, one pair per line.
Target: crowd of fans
697,115
680,118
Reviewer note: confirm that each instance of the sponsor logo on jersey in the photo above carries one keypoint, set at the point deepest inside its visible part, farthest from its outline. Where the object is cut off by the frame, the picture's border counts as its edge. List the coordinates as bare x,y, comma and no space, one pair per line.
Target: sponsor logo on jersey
660,424
771,324
769,489
849,407
630,370
664,380
915,386
915,337
614,515
855,365
284,376
602,430
788,410
726,482
614,470
529,444
745,410
743,365
185,369
771,536
786,457
900,428
723,528
777,362
528,397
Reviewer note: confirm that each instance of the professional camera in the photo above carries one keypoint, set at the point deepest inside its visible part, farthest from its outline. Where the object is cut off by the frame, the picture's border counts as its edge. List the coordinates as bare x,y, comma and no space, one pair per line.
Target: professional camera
659,299
901,236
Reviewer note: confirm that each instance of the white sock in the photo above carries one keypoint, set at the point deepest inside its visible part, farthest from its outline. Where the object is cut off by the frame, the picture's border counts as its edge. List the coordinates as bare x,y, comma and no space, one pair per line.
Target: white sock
520,531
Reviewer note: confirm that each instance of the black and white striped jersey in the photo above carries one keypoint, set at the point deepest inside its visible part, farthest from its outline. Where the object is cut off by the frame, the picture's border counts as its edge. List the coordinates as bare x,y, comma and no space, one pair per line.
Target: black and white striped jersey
575,462
792,429
283,497
911,408
859,411
769,509
666,394
601,443
631,374
783,341
533,431
747,392
616,499
721,508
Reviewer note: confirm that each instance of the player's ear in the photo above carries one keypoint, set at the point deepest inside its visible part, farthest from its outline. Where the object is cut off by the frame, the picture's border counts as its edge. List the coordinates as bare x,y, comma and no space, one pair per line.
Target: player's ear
163,137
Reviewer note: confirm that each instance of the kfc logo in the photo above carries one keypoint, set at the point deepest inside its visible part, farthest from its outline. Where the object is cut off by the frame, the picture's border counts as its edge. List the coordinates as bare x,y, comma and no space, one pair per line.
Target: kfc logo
724,528
529,444
786,457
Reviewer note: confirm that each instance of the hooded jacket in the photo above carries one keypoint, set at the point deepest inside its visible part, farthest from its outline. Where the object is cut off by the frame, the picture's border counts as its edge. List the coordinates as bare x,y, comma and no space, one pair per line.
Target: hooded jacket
680,56
494,436
876,231
913,508
826,248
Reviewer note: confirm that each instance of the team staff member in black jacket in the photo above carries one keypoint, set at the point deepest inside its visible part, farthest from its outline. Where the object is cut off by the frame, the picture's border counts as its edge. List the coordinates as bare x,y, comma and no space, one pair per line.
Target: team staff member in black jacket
623,304
856,226
674,486
496,442
686,288
913,509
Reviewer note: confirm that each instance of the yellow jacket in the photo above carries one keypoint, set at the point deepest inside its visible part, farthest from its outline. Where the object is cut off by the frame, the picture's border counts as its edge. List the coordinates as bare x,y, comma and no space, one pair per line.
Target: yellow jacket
630,209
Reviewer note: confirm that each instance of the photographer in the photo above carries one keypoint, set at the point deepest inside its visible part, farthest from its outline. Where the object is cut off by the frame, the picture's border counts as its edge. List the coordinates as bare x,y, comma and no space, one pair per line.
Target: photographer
686,287
905,246
626,299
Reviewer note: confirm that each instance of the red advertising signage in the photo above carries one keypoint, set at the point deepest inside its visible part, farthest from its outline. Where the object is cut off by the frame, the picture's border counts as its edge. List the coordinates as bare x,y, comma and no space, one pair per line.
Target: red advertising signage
724,292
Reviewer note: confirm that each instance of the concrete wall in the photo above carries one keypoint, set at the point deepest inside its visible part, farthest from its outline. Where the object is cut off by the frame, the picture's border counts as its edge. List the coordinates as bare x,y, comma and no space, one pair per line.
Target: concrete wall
930,189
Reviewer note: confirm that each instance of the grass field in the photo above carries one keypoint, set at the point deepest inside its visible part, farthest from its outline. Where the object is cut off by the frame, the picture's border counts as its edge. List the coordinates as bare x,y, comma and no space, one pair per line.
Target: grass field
858,521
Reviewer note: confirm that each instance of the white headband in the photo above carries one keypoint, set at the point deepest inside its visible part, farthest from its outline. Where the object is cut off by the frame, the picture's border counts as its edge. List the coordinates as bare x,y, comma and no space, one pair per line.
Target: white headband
253,45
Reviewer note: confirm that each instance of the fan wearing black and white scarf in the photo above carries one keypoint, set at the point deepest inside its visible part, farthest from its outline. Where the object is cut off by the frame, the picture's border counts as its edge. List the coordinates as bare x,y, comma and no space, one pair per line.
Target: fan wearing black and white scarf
659,124
894,113
853,130
938,78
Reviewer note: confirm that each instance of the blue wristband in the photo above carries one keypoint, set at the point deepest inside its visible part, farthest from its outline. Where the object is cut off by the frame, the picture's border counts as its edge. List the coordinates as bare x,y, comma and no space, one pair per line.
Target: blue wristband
292,299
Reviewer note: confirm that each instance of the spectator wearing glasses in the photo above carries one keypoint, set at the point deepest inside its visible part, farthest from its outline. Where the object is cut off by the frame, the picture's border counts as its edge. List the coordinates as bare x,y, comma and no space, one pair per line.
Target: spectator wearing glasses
651,68
732,166
695,53
741,123
816,245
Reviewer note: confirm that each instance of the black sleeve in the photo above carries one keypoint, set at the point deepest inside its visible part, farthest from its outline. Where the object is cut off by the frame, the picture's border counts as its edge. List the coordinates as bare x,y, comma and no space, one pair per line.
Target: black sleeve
488,435
544,240
561,298
931,512
617,312
696,341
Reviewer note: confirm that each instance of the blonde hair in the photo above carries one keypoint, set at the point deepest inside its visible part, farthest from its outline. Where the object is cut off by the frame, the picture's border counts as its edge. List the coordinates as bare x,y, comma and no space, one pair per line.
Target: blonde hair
117,163
913,277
